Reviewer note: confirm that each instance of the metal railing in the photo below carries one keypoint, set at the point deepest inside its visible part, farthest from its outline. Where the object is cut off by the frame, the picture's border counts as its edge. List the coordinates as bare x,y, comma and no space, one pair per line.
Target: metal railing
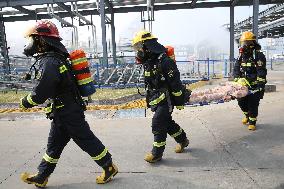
128,74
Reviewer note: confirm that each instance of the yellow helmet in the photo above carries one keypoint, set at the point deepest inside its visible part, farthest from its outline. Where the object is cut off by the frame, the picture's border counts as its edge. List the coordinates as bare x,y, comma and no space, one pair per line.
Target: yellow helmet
141,36
247,36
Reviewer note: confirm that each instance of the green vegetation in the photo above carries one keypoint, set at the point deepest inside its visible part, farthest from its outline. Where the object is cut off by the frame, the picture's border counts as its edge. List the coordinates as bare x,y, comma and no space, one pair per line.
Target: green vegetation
113,93
101,94
11,96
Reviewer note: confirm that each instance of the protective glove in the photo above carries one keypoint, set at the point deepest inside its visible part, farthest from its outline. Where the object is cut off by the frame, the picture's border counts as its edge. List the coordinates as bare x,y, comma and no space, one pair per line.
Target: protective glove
49,111
180,107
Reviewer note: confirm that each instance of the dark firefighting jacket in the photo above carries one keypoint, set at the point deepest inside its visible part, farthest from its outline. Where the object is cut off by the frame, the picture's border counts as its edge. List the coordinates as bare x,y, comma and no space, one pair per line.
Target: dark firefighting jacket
252,68
54,82
162,80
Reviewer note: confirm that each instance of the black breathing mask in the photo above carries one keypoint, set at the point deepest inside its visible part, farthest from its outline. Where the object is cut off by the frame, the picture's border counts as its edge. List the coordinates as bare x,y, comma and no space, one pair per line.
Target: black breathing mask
140,57
247,47
31,47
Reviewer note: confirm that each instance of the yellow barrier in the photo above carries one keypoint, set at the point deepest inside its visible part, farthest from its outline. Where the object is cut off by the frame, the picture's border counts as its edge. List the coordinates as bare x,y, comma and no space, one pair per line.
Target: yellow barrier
141,103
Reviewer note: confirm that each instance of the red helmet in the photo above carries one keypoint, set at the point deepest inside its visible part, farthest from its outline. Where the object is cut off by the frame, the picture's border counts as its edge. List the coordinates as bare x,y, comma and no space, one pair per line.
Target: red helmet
43,28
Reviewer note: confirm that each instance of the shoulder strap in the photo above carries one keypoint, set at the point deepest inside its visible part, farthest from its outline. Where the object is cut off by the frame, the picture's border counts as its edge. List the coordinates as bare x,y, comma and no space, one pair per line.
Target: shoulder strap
161,57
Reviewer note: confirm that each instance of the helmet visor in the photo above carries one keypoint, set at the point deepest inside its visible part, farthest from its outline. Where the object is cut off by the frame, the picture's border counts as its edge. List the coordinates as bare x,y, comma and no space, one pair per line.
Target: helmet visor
138,46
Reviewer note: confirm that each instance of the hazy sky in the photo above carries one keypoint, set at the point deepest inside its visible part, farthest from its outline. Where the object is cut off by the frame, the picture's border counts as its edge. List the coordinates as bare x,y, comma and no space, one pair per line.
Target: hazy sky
171,27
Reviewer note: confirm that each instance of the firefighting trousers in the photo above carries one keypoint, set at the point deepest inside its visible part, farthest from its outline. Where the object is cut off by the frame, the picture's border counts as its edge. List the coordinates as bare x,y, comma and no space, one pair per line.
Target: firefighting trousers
163,124
70,124
249,105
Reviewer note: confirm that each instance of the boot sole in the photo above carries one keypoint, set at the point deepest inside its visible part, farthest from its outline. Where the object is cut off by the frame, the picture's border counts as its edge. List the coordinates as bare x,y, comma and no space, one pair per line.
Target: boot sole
154,161
36,184
43,185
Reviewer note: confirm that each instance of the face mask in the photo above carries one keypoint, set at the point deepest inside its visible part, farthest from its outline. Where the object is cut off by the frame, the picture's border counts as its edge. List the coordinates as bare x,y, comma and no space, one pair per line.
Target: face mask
31,47
140,57
247,49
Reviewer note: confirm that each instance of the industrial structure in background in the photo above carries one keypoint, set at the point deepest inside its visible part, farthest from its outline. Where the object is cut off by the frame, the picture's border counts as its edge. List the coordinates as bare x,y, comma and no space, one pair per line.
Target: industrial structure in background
117,68
270,26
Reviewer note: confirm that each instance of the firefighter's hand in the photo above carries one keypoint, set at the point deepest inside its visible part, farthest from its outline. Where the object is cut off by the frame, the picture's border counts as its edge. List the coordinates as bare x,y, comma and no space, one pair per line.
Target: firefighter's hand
180,107
21,105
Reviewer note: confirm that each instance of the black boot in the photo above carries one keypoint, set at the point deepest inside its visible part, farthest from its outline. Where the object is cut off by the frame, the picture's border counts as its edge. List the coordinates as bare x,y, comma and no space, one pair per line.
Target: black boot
180,146
34,179
150,158
110,170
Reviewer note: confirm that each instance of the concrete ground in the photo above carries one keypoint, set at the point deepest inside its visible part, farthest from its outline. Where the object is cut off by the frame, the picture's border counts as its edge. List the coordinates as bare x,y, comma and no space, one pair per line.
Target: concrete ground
222,152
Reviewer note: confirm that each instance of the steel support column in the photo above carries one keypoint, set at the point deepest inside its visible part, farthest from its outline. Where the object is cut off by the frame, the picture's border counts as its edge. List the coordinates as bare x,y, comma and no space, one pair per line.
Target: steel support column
255,17
4,50
232,42
113,38
103,26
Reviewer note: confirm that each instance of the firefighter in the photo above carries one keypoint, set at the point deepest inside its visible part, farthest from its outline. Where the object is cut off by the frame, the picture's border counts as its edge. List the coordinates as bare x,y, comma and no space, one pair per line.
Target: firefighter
164,91
250,69
56,84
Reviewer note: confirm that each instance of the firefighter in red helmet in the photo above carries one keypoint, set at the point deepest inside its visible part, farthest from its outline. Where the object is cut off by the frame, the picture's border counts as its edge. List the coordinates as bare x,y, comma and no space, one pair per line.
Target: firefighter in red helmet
56,84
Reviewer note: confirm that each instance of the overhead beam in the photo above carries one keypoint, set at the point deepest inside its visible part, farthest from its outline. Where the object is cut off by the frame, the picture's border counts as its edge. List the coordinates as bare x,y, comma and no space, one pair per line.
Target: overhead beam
193,3
25,11
74,12
275,25
234,2
65,7
138,8
94,11
13,3
61,20
109,5
261,15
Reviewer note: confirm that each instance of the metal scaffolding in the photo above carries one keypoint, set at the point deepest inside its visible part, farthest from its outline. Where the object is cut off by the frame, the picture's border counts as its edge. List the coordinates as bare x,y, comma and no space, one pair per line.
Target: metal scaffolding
270,23
59,9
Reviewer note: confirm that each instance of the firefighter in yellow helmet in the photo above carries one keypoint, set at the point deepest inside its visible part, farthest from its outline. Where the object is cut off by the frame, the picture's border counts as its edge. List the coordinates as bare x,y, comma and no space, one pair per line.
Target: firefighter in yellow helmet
164,91
251,68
